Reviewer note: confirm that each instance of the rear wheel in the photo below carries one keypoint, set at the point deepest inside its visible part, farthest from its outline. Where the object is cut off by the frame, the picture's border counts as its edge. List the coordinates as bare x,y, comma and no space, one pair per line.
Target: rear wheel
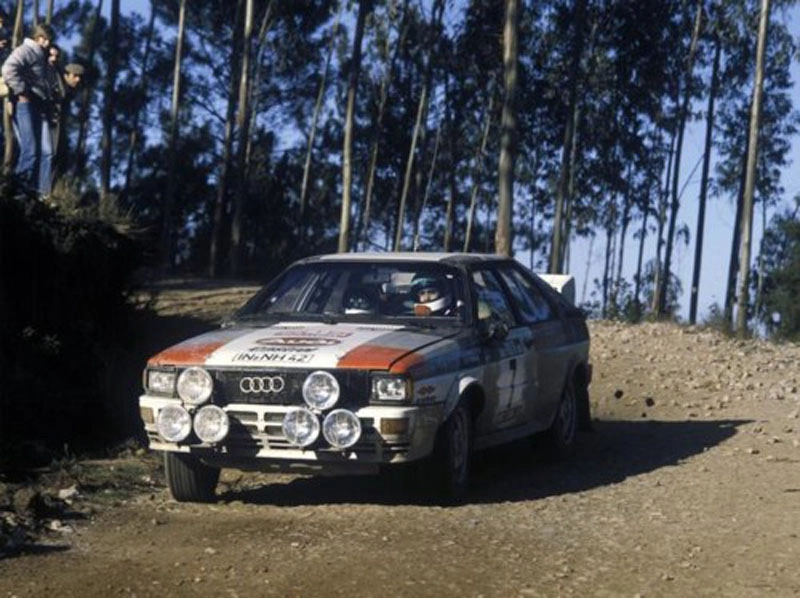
189,479
561,434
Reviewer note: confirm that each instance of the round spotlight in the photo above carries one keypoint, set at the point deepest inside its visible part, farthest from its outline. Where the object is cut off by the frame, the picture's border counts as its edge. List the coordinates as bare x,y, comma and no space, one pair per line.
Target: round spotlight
195,385
300,426
320,390
173,423
211,424
341,428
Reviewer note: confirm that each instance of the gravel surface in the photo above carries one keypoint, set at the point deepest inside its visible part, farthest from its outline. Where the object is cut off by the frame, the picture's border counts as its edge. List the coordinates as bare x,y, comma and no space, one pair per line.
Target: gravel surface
689,486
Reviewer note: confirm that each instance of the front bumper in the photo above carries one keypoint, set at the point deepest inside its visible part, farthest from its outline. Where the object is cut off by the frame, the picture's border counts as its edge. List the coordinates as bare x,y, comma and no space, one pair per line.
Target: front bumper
256,439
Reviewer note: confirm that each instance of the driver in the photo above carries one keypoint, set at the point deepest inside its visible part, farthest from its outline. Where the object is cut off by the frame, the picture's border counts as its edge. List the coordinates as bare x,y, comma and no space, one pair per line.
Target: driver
431,296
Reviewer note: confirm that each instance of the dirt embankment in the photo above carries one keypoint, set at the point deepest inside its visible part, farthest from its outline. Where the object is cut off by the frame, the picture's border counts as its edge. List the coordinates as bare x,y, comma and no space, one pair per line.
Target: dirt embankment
688,487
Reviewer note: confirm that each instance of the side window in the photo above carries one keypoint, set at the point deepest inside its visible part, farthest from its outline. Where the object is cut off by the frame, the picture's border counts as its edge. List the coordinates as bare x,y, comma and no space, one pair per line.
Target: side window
491,298
526,296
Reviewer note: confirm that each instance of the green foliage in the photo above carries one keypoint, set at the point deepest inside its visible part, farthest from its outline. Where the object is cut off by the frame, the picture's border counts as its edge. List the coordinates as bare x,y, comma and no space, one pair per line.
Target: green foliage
64,326
780,309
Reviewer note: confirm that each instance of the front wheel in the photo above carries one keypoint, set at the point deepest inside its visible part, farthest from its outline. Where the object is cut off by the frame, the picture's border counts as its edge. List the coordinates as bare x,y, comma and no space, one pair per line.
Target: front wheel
449,465
189,479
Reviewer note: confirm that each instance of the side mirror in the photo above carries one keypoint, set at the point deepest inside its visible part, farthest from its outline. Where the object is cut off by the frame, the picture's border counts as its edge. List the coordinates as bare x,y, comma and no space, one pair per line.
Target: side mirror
492,328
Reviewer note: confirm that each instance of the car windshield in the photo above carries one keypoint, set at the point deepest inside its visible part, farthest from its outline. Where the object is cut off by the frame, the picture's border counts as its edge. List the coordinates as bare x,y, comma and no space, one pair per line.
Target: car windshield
419,293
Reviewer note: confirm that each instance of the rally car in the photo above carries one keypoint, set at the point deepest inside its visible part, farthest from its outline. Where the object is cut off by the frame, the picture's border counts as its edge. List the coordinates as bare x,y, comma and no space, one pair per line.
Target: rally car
358,363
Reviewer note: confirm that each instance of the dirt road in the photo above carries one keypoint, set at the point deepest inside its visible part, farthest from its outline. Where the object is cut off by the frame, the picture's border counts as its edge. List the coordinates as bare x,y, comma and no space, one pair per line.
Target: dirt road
689,486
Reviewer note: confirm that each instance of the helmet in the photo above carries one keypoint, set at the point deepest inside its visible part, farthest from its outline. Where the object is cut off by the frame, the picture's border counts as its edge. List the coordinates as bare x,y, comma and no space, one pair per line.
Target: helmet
431,295
359,301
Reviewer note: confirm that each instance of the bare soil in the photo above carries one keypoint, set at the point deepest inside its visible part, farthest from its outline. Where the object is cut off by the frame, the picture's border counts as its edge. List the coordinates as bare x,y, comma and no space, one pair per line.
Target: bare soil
689,486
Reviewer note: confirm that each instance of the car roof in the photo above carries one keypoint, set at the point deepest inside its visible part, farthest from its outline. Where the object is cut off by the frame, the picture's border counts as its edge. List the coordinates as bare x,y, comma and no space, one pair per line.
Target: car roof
406,256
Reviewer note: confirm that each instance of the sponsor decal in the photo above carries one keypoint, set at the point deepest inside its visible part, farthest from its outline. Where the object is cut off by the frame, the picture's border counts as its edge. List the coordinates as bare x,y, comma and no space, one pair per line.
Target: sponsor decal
297,341
426,391
272,357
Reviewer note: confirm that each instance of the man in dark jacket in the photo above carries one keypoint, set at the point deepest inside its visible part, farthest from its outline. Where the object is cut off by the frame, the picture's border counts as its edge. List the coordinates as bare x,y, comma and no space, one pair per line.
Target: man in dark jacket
25,73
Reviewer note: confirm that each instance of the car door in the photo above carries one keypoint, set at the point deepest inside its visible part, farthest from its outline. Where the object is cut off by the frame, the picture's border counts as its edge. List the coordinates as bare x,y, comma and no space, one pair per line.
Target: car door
549,354
506,375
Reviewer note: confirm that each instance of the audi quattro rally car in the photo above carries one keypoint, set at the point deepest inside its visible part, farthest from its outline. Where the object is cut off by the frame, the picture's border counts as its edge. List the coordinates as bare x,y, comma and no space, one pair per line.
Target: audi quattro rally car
351,363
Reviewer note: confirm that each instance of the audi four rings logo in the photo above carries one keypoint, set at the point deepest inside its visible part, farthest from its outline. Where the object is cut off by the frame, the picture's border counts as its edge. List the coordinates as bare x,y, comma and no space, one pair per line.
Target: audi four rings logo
261,384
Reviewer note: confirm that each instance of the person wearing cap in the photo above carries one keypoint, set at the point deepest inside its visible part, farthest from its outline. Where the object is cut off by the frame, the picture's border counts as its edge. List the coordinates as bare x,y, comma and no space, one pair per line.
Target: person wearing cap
64,85
73,74
25,73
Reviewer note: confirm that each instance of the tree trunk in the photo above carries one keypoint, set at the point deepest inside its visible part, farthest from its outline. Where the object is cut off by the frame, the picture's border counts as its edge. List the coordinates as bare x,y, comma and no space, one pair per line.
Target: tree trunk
49,14
681,126
215,249
453,183
662,217
109,101
134,137
424,203
315,117
625,221
8,129
347,153
503,239
363,234
477,175
750,180
556,250
254,84
701,208
86,101
169,199
409,169
235,250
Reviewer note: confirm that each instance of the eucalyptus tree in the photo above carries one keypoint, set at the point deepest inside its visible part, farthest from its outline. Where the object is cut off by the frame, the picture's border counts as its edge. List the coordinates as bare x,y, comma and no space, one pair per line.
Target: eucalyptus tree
777,122
109,100
508,130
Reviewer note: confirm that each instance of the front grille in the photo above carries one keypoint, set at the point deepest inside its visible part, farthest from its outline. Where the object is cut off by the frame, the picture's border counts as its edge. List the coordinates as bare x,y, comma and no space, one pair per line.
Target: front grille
354,387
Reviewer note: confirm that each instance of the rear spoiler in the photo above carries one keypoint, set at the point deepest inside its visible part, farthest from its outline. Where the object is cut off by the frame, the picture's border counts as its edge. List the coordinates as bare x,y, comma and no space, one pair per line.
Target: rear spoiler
563,283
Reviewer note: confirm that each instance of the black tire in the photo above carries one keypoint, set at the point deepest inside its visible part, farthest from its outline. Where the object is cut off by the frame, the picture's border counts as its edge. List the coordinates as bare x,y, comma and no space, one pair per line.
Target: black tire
447,470
560,437
189,479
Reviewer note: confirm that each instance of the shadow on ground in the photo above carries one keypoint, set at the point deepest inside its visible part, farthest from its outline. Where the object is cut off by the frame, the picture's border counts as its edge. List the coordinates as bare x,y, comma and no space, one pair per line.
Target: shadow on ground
616,450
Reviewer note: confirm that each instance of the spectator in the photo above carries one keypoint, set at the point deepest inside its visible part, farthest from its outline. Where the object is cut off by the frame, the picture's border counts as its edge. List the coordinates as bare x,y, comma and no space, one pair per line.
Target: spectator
64,85
25,73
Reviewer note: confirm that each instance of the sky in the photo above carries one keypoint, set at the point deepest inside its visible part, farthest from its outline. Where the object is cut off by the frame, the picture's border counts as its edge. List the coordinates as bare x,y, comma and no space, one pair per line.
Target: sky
720,212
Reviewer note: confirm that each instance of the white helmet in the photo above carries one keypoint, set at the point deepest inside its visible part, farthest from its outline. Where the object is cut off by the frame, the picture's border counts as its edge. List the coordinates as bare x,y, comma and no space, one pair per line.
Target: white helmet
432,297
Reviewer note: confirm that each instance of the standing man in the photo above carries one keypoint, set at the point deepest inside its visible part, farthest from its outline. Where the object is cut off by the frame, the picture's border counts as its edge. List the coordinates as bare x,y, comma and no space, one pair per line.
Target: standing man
25,73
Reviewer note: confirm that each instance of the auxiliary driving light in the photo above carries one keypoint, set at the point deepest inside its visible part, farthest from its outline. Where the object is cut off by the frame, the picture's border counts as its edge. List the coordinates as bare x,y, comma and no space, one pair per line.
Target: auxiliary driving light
211,424
300,426
320,390
341,428
173,423
195,385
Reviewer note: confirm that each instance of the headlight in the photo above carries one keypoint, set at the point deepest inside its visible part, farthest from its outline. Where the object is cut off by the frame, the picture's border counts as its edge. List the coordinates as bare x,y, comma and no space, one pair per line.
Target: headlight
160,382
341,428
211,424
195,385
173,423
320,390
300,426
390,388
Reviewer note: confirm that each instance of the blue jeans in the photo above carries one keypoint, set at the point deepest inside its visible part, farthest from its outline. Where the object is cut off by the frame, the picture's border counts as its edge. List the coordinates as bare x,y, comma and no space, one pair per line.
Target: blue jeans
35,161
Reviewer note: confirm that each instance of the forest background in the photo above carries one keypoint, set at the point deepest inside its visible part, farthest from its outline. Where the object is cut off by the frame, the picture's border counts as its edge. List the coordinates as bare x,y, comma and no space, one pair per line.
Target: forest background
226,138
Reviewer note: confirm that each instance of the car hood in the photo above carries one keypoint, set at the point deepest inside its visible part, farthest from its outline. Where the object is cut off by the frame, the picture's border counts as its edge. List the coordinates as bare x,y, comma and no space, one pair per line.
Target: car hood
306,345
